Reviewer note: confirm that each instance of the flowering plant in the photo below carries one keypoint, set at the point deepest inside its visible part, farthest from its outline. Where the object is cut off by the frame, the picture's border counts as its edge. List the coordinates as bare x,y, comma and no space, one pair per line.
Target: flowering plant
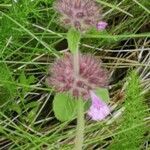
77,74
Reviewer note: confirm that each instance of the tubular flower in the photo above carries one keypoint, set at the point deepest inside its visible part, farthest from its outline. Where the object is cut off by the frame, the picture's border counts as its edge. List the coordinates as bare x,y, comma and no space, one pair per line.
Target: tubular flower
81,14
99,109
64,79
102,25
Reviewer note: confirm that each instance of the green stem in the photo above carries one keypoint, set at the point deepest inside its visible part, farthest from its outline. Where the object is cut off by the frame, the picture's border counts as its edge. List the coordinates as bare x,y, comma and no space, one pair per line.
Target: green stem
80,125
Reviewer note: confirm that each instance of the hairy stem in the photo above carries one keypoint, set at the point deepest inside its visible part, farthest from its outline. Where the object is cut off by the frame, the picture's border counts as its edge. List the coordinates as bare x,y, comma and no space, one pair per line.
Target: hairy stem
80,125
76,63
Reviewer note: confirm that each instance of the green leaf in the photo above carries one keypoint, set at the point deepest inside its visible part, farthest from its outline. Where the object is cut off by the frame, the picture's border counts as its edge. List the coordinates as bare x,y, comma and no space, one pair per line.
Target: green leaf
103,94
73,38
26,81
7,87
31,115
64,107
15,107
32,104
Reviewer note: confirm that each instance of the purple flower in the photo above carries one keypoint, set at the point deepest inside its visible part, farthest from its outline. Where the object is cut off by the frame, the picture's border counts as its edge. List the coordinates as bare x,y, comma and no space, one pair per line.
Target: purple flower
102,25
99,109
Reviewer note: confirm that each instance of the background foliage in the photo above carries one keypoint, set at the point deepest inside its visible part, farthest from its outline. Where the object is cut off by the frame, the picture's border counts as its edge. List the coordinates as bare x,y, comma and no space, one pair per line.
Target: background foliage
31,37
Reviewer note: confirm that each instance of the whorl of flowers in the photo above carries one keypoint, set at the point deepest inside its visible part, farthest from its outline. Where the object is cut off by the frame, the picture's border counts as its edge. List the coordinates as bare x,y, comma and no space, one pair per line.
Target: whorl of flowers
91,75
81,14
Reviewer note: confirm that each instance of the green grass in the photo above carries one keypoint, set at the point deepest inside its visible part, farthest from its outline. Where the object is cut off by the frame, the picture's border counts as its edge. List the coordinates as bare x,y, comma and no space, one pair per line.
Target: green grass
134,114
31,38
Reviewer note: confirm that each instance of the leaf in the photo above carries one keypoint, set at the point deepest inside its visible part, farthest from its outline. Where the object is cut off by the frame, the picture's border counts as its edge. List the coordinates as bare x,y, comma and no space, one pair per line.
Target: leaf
103,94
31,79
64,107
5,95
15,107
26,81
32,109
32,104
73,38
7,87
31,115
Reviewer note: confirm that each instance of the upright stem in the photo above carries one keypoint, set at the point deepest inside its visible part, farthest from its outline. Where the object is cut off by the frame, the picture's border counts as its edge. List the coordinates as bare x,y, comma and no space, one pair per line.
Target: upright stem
76,63
80,108
80,125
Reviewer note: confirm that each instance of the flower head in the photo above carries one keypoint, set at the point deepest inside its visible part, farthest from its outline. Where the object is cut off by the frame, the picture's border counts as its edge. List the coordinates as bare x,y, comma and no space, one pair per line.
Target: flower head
81,14
64,79
99,109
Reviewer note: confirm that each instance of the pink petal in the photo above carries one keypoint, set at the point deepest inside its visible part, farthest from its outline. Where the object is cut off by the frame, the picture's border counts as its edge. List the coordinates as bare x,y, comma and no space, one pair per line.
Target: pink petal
99,109
102,25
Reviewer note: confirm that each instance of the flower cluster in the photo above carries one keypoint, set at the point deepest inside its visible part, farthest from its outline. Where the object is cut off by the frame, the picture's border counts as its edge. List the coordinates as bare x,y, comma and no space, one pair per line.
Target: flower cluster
91,75
81,14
